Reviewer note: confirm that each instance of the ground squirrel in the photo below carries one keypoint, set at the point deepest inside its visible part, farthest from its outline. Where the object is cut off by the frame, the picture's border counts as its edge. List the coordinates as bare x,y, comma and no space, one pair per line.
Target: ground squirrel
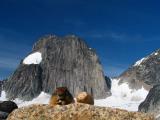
61,96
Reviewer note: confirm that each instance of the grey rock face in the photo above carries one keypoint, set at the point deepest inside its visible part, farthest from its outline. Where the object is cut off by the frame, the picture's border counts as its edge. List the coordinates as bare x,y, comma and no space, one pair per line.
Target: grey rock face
1,85
152,102
66,61
108,81
144,73
25,83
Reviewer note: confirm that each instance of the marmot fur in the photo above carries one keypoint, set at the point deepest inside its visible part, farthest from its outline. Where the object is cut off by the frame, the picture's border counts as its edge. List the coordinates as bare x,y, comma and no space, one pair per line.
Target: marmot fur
61,96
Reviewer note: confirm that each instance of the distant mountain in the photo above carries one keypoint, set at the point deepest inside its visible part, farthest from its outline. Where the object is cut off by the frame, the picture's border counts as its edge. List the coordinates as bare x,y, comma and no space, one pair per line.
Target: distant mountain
146,73
54,62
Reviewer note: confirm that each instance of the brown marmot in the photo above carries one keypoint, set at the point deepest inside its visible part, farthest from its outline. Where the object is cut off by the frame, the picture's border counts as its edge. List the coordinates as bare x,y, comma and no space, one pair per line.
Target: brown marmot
85,97
61,96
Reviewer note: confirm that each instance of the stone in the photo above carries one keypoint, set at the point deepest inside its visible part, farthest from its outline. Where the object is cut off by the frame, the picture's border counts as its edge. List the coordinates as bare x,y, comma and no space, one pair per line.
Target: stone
84,97
3,115
75,112
8,106
152,102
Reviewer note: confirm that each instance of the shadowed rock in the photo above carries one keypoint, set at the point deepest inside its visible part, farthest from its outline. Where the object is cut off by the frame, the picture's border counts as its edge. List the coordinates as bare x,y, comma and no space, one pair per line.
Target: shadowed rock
152,102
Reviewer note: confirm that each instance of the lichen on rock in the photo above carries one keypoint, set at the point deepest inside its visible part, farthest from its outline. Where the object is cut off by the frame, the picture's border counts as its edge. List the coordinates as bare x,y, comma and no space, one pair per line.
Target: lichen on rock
75,112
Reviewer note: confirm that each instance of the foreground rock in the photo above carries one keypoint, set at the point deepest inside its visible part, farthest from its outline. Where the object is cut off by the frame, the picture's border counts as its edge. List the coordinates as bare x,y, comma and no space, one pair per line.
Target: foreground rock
6,107
152,102
75,112
58,61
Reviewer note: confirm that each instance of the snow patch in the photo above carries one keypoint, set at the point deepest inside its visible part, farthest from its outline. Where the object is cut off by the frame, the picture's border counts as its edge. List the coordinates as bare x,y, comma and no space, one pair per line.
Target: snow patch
3,96
123,97
156,53
34,58
43,98
139,62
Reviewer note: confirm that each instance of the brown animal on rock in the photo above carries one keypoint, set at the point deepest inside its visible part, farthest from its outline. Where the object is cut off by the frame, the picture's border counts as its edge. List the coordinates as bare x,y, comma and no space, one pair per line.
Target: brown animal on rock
61,96
85,97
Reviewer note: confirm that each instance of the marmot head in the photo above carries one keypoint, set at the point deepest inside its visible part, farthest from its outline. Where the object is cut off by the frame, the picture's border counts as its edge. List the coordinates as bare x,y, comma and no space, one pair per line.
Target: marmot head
63,96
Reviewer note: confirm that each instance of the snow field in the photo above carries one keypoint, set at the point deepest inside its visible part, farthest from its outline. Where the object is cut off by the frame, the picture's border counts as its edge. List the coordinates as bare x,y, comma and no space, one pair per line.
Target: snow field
34,58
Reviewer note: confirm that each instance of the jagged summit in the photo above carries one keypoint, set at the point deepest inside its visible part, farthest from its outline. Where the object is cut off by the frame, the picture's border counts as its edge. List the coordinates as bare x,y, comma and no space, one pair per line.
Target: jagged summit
43,41
154,55
55,62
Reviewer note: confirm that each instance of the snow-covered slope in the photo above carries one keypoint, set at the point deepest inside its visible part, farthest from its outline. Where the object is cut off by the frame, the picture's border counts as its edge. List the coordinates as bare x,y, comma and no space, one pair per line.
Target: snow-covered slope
34,58
122,97
43,98
139,62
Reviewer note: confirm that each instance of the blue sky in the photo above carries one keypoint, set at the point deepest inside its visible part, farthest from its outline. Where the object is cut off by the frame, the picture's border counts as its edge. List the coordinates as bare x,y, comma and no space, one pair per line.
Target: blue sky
121,31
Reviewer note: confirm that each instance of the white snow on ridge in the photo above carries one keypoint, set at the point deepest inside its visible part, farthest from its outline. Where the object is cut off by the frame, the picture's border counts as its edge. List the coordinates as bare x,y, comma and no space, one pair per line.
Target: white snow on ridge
139,61
156,53
3,96
34,58
43,98
123,97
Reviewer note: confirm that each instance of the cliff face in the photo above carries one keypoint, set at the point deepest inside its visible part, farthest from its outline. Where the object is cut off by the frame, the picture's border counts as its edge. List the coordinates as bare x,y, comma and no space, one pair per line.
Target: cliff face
65,61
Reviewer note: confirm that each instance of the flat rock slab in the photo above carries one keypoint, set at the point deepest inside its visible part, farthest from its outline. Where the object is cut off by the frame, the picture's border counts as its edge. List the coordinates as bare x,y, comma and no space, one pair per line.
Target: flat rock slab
75,112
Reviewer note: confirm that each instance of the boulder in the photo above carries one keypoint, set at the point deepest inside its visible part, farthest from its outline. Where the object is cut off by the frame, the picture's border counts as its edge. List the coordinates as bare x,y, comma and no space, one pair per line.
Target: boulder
152,102
75,112
8,106
3,115
84,97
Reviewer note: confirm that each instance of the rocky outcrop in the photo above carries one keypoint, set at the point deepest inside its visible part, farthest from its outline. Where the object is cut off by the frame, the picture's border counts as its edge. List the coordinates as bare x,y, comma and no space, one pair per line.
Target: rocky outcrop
26,82
6,107
66,61
145,72
108,82
152,102
75,112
